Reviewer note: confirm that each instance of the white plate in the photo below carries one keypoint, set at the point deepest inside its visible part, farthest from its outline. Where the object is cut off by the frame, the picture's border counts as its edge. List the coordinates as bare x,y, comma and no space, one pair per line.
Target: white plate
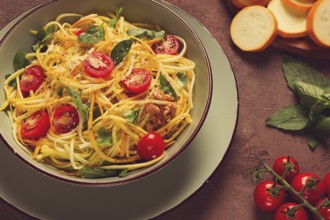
46,198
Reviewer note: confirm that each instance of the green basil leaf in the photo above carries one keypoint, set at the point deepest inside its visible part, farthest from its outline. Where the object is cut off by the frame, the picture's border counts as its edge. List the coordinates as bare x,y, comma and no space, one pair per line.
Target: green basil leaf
43,36
76,98
123,173
166,86
12,83
92,35
296,70
96,173
320,126
104,138
312,141
20,60
290,118
183,78
309,94
121,49
131,115
113,22
140,33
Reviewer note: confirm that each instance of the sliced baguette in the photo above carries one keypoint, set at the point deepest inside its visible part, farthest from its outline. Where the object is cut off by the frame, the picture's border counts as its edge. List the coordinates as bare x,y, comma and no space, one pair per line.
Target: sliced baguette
318,23
253,28
299,5
291,23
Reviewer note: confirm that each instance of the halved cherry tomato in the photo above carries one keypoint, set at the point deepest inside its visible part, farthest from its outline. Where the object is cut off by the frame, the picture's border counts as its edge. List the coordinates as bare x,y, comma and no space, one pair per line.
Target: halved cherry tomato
282,162
287,212
326,181
32,78
312,195
65,119
35,126
265,199
324,211
170,45
151,146
138,81
98,65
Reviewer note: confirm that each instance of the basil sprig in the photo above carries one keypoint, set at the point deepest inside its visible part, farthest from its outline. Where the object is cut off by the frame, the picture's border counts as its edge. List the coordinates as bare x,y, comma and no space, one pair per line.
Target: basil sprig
311,115
113,22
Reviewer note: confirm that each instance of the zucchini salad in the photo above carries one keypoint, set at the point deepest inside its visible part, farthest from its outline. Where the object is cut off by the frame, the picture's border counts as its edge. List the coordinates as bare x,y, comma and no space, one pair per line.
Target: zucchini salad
100,96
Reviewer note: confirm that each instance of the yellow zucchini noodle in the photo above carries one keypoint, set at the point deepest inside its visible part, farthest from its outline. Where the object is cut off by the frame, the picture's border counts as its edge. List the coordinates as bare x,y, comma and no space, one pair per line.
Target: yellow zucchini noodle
109,104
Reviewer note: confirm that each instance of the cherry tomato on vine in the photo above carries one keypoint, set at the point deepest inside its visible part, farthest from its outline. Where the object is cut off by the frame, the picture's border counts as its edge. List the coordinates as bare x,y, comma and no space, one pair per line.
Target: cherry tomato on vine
65,119
98,65
151,146
287,212
310,194
266,198
32,78
326,181
324,211
36,125
138,81
170,45
286,162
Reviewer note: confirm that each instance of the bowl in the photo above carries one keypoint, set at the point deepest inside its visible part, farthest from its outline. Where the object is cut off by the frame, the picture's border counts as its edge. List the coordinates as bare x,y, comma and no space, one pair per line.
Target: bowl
18,38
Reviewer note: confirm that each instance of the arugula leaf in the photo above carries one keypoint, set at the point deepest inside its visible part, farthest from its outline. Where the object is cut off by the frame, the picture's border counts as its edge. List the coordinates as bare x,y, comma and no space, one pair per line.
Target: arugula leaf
20,60
292,118
105,137
76,98
113,22
42,36
121,49
296,70
96,173
166,86
131,115
140,33
92,35
183,78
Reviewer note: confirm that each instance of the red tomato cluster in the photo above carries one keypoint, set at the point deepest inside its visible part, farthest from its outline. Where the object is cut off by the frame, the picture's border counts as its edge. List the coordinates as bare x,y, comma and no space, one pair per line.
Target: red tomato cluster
281,197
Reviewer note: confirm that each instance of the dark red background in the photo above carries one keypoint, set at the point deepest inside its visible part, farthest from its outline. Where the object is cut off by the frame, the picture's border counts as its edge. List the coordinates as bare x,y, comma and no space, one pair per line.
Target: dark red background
262,89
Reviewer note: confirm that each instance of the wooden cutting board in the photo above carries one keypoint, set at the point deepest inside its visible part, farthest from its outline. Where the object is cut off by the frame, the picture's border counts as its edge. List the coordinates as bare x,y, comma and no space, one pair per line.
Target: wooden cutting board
300,46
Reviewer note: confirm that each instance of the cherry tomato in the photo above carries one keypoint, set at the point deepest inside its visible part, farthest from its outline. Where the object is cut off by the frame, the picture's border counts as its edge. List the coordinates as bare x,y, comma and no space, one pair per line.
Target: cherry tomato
326,181
138,81
32,78
151,146
324,211
36,125
98,65
282,162
283,212
310,194
264,198
65,119
170,45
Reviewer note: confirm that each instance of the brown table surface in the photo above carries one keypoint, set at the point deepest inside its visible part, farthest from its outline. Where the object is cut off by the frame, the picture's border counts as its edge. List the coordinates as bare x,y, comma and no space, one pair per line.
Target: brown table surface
262,89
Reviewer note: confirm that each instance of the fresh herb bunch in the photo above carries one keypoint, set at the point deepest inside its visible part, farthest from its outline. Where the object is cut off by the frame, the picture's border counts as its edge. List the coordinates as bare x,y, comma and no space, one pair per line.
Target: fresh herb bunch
311,115
285,186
